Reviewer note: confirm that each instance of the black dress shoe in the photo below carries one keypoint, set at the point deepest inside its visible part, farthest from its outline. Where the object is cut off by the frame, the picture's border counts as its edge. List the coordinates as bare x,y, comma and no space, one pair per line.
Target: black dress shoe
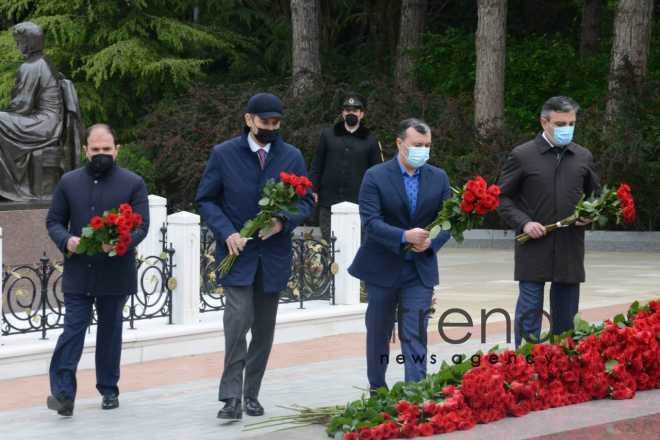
253,407
110,401
232,410
63,405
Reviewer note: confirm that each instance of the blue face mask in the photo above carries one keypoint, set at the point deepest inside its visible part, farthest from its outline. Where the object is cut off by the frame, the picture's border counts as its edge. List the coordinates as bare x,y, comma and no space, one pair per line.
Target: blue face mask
418,156
563,135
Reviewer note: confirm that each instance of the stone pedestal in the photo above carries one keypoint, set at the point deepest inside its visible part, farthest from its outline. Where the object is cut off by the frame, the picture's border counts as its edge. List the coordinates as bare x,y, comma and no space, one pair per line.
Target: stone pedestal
24,233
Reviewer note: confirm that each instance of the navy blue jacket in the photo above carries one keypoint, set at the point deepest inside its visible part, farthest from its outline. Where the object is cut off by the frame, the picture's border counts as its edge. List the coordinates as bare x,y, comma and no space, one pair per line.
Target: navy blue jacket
228,196
77,198
385,214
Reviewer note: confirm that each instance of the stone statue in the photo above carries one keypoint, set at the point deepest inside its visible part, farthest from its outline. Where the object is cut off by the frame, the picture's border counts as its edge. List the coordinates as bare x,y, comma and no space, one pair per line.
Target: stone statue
41,131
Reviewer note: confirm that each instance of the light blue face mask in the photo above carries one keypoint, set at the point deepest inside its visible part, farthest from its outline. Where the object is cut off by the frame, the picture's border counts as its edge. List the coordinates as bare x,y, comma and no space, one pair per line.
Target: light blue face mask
563,135
418,156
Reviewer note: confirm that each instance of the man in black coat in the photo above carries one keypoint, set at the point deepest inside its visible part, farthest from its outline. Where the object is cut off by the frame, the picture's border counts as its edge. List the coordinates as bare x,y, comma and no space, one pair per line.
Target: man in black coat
345,152
99,279
542,182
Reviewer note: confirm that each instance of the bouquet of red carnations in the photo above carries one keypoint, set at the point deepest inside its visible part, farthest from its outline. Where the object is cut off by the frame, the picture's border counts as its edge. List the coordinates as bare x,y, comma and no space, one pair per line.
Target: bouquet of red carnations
466,209
113,228
618,205
276,197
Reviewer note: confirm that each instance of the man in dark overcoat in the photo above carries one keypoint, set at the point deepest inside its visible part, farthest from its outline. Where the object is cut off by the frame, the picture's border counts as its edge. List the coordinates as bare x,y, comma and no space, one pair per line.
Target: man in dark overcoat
542,182
100,279
228,196
344,153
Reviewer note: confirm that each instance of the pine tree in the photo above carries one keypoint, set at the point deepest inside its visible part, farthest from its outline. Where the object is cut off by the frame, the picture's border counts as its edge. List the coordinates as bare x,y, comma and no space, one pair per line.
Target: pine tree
123,55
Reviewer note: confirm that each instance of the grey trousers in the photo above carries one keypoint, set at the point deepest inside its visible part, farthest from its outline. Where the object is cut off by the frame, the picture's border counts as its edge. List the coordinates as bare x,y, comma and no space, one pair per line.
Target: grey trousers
247,308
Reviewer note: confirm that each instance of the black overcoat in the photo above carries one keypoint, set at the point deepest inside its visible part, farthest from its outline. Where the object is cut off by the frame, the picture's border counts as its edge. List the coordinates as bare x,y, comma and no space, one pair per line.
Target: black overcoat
540,183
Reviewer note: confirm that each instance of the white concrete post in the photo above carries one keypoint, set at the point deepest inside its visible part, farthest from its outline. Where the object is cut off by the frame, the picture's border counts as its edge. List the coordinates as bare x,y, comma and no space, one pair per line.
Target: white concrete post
151,245
183,232
345,224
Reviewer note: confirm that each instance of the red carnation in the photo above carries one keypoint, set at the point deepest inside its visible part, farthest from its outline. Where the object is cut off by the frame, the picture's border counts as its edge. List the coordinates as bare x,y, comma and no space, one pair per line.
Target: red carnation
494,190
137,219
350,436
469,197
125,209
96,222
112,218
466,207
121,249
482,209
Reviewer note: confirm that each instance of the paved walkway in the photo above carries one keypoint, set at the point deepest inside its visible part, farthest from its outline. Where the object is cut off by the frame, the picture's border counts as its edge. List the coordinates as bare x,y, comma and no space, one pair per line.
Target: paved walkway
177,398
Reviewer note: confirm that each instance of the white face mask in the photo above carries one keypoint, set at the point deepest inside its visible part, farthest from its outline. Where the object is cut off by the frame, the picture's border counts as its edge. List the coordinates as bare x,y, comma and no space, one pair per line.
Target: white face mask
418,156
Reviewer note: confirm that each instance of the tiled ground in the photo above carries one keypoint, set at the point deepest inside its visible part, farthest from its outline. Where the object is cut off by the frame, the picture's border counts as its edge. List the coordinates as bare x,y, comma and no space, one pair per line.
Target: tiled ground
176,398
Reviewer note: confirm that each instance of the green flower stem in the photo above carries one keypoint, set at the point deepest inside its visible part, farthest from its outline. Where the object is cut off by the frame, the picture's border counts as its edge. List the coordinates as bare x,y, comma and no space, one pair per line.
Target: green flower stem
524,237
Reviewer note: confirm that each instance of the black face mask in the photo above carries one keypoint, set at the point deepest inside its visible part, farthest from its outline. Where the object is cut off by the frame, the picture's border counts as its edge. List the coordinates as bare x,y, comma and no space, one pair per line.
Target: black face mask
351,120
267,136
101,163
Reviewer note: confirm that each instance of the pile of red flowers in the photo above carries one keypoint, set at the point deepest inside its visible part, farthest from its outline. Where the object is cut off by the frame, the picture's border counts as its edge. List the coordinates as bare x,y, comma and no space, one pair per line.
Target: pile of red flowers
624,194
300,183
614,361
113,228
479,197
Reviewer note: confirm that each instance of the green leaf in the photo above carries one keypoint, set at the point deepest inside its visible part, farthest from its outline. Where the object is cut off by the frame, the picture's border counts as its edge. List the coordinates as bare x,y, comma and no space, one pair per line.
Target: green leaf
620,320
580,324
602,221
264,201
87,232
446,225
609,365
435,231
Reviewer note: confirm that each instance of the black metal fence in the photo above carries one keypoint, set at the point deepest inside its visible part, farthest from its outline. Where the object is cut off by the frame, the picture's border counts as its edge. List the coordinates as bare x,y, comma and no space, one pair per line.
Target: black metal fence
33,301
312,273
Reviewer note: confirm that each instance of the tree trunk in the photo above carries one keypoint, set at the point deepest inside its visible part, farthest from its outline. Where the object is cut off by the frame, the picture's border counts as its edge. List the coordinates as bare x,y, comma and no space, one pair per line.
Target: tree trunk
491,58
591,13
411,27
630,50
306,36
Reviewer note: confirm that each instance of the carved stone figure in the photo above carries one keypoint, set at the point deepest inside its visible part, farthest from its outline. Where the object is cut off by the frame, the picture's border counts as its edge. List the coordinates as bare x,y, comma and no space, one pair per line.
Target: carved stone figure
41,131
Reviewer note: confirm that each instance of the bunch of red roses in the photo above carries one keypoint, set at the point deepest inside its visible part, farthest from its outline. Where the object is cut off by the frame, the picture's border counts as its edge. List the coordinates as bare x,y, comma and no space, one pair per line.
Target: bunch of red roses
276,197
618,205
113,228
465,209
300,184
480,198
627,203
616,360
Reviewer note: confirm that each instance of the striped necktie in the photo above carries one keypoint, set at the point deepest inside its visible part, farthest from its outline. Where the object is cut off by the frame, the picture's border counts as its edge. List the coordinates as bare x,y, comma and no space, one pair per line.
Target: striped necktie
261,152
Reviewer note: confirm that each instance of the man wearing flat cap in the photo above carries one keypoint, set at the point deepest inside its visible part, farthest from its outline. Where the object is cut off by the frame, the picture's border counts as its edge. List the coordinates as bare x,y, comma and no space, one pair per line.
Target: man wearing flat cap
228,196
344,153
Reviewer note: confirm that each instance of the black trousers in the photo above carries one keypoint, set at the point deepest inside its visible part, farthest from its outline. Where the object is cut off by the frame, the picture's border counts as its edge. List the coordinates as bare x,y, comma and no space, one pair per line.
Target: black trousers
247,308
69,348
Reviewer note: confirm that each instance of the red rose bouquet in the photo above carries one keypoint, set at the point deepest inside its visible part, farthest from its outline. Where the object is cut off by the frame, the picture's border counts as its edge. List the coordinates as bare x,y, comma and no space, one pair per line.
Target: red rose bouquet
113,228
618,205
276,197
466,209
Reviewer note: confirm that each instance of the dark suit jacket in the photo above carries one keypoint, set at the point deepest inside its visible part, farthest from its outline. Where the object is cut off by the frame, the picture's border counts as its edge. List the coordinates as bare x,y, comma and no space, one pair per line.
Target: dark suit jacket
385,214
77,198
536,186
228,196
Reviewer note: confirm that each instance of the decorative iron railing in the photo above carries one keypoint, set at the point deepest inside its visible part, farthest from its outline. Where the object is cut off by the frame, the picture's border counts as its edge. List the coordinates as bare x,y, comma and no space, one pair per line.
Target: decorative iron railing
33,301
313,270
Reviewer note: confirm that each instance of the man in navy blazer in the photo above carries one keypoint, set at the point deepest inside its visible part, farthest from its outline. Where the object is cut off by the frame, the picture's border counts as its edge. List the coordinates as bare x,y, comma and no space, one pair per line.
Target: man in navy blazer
99,279
397,200
228,196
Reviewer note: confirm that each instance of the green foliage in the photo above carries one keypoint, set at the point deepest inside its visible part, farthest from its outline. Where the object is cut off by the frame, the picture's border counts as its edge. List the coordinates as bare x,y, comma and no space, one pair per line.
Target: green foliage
137,159
122,55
